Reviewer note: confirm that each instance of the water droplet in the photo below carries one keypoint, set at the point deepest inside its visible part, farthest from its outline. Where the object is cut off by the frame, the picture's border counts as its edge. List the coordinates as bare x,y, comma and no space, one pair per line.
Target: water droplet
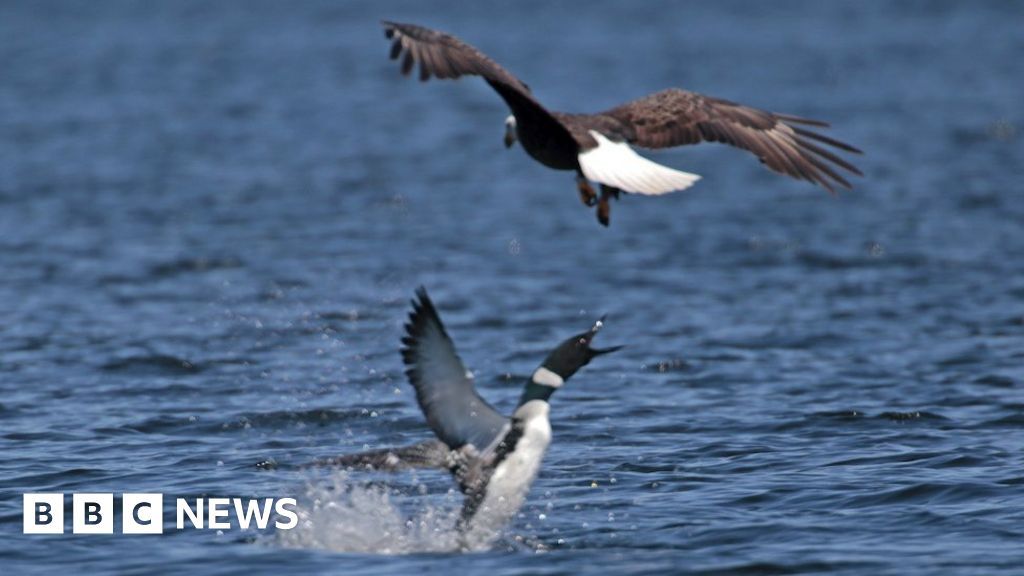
1002,130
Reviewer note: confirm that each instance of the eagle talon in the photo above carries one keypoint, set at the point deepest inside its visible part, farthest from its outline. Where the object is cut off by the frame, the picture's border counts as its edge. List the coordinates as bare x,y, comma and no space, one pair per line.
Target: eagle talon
601,145
604,207
587,194
604,210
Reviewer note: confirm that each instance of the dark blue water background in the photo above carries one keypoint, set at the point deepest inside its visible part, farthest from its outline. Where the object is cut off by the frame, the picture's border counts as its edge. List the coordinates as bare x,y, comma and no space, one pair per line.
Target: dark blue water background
212,216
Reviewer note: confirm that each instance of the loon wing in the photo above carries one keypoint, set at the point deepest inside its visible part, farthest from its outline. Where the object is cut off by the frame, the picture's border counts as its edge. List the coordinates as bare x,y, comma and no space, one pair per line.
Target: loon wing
444,388
429,454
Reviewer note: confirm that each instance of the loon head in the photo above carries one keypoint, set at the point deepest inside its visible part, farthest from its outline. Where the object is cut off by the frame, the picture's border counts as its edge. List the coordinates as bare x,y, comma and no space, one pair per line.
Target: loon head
510,131
564,361
576,352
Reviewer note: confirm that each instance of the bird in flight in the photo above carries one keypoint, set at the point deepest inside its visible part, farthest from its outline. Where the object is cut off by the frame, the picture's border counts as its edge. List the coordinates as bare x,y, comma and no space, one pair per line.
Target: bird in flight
494,458
598,147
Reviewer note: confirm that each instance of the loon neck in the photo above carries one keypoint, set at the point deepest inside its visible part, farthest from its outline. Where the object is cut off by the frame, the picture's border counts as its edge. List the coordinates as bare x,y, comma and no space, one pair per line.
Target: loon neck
541,386
534,391
531,411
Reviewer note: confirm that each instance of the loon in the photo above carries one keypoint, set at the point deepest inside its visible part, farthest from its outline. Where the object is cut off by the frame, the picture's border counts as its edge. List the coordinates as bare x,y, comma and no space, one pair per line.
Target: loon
597,146
493,458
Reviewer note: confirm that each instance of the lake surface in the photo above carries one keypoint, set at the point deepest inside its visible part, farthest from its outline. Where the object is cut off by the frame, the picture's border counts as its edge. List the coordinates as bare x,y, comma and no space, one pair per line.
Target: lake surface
213,215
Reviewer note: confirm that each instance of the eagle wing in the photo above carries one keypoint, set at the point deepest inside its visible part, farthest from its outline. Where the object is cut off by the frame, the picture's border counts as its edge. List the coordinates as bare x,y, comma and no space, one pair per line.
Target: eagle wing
442,55
444,388
676,117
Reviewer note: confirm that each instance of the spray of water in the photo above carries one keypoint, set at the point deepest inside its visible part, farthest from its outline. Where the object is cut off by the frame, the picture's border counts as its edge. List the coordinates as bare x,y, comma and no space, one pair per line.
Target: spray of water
345,516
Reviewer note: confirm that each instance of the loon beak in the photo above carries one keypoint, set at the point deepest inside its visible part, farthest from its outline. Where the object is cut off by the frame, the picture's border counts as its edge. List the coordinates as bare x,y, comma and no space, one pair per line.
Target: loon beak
602,351
590,337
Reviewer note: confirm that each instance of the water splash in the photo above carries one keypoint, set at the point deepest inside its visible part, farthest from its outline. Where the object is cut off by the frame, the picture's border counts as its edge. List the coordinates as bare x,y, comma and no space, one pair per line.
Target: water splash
346,516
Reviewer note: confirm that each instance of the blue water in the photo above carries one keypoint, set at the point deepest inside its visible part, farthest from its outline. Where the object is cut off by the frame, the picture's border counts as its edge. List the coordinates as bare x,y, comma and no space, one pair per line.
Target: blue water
212,216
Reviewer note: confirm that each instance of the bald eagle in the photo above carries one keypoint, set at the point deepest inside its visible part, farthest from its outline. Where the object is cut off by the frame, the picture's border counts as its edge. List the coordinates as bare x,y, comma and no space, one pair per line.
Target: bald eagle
598,146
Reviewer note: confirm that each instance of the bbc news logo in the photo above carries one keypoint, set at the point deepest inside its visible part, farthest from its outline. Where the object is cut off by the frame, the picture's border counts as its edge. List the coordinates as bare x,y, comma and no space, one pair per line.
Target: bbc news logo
144,513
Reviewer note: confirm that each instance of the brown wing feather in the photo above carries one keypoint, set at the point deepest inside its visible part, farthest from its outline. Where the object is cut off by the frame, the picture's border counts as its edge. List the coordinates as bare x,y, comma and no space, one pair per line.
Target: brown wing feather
676,117
442,55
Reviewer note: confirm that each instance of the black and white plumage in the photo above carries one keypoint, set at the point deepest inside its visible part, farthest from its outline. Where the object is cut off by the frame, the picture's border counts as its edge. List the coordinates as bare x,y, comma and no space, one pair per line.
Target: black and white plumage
493,458
444,387
599,146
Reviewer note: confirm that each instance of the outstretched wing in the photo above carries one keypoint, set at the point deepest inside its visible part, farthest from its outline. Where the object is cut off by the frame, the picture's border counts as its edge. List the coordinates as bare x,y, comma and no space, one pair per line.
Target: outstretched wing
444,388
675,117
429,454
442,55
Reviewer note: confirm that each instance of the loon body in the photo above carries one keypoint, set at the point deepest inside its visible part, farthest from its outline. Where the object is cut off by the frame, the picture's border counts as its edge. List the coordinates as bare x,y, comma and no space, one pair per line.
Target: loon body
493,458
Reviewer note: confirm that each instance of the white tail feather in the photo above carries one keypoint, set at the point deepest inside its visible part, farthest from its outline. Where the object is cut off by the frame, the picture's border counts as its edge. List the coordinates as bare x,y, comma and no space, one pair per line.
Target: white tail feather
616,164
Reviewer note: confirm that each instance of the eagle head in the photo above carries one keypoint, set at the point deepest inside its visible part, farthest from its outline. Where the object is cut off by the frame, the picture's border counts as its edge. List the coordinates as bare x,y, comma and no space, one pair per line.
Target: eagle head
510,131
